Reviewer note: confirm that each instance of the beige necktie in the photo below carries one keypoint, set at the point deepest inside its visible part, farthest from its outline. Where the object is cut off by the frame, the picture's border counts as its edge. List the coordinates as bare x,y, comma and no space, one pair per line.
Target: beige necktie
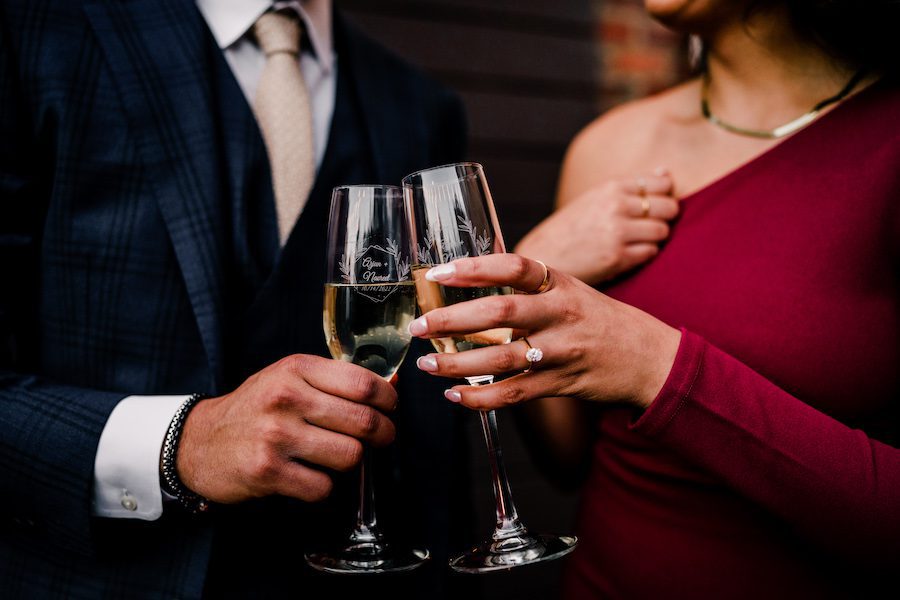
283,112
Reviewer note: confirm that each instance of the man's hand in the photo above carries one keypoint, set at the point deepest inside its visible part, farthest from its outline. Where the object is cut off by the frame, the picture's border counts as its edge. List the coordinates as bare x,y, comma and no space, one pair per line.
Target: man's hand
279,431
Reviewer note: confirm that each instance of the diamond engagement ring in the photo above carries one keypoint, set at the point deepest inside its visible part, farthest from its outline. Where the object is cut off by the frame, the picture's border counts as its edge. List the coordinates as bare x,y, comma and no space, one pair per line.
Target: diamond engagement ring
532,355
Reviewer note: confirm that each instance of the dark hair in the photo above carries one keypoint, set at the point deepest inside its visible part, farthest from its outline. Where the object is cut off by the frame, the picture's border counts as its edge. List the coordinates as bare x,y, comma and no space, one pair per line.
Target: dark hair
860,33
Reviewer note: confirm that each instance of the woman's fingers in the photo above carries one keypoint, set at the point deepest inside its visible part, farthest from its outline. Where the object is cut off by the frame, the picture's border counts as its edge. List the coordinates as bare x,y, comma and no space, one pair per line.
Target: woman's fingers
644,230
649,184
505,358
652,206
521,388
638,253
482,314
512,270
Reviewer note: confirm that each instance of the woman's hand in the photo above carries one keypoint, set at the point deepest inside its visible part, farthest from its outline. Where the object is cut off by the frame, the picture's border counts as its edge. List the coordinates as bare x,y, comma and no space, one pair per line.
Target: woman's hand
607,230
594,348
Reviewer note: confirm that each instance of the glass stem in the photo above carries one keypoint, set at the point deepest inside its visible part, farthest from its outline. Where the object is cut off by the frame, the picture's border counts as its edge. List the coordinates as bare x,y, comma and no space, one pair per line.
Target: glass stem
366,530
508,524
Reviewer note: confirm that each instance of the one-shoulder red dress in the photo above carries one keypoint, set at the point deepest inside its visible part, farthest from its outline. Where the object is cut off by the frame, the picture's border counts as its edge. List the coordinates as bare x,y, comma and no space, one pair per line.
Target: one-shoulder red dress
769,464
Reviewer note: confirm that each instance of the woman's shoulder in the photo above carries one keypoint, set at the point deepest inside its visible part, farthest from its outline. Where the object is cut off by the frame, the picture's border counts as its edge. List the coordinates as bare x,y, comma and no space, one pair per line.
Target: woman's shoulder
618,142
631,127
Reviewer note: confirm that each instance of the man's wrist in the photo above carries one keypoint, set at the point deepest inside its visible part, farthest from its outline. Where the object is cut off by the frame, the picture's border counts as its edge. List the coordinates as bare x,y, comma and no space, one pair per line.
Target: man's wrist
170,482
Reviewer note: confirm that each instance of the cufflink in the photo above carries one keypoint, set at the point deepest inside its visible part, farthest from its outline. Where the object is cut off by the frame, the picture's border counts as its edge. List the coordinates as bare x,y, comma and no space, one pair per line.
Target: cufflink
129,502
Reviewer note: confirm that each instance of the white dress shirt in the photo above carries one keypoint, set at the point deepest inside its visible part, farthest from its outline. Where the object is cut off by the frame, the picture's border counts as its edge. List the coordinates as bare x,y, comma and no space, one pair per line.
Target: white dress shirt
126,468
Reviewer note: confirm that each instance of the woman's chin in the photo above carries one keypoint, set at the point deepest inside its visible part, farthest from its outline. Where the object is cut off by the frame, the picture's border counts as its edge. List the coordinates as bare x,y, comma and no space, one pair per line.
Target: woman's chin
694,16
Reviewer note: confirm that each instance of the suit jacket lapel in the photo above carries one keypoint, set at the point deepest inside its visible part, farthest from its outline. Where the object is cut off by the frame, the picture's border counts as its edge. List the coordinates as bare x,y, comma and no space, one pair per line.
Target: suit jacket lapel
159,53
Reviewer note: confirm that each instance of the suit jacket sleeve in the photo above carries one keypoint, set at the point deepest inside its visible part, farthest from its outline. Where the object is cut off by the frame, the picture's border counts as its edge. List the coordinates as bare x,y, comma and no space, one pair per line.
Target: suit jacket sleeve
48,432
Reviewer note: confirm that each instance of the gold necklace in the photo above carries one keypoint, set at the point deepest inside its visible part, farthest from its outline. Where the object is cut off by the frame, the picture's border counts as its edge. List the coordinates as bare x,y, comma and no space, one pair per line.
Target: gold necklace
782,130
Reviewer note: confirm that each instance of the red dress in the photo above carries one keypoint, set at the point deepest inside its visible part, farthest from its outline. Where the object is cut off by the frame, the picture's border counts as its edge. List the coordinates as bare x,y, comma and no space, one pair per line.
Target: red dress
769,464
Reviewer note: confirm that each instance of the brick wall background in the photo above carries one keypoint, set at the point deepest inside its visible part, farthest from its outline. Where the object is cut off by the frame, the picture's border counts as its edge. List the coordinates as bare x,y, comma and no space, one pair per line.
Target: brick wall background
637,56
532,73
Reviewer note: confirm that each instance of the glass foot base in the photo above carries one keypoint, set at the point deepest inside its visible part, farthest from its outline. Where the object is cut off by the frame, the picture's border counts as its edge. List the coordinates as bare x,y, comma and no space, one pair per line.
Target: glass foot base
370,557
513,552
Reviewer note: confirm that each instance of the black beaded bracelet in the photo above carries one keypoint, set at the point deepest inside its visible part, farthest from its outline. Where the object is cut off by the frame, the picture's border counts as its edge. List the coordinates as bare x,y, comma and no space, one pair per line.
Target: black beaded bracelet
172,484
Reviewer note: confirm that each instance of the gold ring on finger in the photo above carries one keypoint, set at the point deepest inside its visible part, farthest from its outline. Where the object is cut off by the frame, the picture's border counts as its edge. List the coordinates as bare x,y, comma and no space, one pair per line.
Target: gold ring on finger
545,282
645,207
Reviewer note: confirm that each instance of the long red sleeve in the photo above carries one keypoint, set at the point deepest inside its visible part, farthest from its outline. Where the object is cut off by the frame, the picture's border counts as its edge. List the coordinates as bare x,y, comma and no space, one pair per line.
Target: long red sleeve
832,483
769,464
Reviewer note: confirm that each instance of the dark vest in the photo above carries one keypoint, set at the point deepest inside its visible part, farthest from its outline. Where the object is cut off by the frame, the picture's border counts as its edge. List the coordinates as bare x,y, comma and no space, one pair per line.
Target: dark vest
281,293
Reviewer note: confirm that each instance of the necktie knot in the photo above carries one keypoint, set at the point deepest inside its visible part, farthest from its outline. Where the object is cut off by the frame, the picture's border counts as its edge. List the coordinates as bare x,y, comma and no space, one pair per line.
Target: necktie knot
278,32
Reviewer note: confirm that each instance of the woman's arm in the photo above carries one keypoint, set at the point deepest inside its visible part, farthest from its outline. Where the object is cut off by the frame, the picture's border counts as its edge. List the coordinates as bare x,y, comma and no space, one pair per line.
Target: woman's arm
833,484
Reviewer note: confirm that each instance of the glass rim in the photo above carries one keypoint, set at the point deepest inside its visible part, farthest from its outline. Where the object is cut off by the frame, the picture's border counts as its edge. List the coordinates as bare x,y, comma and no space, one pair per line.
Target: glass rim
407,180
377,186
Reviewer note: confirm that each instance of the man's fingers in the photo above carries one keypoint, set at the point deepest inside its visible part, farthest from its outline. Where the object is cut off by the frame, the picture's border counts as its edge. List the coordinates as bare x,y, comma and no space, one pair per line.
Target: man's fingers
344,380
327,449
302,482
349,418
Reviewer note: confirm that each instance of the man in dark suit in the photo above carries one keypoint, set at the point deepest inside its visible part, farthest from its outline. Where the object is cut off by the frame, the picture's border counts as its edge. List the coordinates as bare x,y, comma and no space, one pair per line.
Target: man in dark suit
142,262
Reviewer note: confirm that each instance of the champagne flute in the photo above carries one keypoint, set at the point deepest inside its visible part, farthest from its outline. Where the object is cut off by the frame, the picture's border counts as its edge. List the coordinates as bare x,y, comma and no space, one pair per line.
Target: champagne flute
452,217
369,303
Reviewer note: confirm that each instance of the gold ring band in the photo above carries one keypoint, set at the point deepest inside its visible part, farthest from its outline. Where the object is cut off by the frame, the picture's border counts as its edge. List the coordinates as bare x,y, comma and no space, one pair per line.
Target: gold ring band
545,283
645,207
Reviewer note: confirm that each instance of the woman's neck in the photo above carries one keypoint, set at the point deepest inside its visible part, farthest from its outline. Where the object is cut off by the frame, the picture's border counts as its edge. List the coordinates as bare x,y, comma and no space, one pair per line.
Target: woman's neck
762,74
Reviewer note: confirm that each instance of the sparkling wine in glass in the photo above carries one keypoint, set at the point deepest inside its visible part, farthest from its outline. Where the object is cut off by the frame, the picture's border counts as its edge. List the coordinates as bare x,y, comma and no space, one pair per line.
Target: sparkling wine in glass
369,302
453,217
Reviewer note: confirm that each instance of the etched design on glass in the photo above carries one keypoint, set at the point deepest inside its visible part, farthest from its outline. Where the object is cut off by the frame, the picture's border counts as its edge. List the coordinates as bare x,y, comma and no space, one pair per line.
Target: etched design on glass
346,266
481,243
393,249
452,247
375,264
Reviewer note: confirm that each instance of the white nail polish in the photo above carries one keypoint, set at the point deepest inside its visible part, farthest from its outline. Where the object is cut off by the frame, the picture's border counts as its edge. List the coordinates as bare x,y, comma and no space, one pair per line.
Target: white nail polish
440,272
418,327
427,363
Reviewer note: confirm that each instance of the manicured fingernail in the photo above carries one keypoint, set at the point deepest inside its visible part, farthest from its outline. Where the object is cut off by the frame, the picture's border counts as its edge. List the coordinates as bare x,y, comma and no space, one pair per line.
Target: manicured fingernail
660,171
452,395
418,327
440,272
427,363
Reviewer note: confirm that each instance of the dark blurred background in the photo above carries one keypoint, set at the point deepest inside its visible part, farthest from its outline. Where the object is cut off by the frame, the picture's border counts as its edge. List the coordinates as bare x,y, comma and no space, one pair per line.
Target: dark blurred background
532,73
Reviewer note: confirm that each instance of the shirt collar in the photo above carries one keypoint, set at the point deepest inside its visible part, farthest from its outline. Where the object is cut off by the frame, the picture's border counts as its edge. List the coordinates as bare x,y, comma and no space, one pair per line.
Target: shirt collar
230,20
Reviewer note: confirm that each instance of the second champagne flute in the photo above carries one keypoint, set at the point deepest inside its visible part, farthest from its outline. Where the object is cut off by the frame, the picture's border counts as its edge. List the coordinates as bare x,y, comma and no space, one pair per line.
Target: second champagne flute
453,217
369,303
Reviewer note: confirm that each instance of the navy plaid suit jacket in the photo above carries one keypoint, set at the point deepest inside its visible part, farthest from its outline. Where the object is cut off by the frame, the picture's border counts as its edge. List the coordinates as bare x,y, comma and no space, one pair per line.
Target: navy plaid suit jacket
136,225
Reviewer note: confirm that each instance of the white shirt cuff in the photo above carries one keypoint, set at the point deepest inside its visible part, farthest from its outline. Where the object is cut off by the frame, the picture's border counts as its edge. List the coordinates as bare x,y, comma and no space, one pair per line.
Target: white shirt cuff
126,469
